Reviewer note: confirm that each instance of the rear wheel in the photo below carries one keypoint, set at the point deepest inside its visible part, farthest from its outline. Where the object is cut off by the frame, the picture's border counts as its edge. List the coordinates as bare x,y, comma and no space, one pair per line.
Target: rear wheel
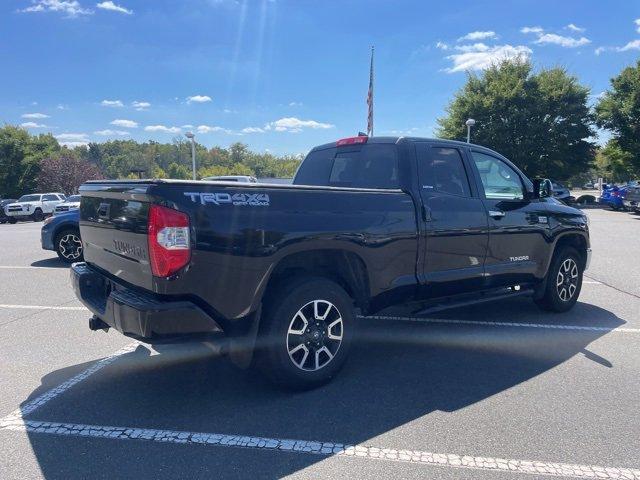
12,220
564,281
306,333
69,246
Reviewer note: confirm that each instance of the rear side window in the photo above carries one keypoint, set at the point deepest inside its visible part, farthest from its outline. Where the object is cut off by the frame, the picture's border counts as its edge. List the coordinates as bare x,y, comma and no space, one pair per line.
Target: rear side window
445,172
370,166
49,198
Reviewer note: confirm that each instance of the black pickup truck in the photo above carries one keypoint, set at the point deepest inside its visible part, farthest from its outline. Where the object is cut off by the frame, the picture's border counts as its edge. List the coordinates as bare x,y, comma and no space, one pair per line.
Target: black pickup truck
280,271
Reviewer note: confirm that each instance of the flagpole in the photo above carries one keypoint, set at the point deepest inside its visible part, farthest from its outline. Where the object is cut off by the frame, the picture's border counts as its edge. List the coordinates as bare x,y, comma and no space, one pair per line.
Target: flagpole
370,98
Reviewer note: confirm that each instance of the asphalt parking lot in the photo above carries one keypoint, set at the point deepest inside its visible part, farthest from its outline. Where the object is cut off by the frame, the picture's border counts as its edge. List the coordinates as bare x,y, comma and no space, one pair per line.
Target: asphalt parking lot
498,390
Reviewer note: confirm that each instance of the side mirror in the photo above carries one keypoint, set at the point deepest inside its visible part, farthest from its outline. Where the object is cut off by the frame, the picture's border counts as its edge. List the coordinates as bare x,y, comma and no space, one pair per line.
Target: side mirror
542,188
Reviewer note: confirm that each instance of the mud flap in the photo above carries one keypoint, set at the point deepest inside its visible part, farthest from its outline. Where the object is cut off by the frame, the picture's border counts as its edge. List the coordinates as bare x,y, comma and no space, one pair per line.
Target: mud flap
241,347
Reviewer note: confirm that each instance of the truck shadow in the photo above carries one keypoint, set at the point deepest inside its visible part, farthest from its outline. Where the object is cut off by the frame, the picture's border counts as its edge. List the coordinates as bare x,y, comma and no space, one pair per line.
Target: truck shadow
398,372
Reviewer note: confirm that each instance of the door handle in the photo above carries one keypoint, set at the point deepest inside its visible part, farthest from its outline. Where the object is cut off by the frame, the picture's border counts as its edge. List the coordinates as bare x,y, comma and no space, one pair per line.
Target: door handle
426,214
496,214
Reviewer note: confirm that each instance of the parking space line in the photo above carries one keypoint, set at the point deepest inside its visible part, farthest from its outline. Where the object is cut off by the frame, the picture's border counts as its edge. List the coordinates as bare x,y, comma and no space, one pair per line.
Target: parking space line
28,267
40,307
504,324
326,449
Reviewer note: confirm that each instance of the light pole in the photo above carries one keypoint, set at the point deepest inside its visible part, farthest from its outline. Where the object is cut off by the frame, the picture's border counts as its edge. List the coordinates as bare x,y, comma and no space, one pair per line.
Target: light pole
469,123
192,137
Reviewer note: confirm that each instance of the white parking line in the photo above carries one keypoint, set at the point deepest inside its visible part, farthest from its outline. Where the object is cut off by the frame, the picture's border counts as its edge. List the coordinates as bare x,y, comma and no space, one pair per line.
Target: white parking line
481,323
40,307
29,267
326,449
15,421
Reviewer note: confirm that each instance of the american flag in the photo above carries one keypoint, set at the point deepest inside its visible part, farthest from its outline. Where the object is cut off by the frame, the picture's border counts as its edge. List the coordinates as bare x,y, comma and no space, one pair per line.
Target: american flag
370,99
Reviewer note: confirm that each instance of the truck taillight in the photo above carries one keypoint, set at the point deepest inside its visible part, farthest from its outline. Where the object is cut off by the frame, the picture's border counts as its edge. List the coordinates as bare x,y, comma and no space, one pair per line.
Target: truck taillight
352,141
169,242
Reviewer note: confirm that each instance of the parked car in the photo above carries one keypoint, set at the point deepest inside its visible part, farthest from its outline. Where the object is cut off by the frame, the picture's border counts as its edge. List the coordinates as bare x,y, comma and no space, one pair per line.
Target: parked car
3,203
34,207
231,178
61,233
281,269
71,203
613,196
560,192
631,199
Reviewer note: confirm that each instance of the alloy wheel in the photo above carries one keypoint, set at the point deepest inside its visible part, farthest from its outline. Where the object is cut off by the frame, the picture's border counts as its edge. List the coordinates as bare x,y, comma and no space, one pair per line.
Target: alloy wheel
315,335
567,280
70,246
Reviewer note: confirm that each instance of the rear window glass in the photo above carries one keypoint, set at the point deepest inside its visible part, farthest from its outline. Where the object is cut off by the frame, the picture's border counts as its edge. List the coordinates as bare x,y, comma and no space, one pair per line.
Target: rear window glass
372,166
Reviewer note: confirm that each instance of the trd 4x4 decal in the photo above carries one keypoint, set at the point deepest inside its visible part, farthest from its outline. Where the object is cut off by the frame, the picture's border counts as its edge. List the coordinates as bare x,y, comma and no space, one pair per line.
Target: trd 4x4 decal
222,198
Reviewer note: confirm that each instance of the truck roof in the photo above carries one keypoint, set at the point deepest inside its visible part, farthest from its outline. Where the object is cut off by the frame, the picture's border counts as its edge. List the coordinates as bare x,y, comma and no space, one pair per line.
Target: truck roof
398,139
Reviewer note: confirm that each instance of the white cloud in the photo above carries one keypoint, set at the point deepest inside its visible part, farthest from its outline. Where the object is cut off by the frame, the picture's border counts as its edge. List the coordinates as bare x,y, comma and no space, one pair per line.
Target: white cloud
62,107
209,129
228,110
161,128
633,45
295,104
484,58
476,47
125,123
73,137
113,7
566,42
187,126
111,133
252,130
531,30
442,46
112,103
478,36
32,125
295,125
140,105
198,99
35,115
637,22
574,28
71,8
74,144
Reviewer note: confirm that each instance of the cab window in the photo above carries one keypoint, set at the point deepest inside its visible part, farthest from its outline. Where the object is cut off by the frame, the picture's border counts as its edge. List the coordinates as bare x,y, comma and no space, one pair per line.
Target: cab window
499,180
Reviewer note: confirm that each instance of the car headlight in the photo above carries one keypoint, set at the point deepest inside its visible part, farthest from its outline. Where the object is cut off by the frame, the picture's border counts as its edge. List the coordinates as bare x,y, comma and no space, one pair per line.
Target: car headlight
586,219
47,221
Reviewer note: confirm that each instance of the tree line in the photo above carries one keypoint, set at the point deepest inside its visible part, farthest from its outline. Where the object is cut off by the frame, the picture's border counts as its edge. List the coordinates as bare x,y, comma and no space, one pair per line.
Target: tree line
545,121
31,163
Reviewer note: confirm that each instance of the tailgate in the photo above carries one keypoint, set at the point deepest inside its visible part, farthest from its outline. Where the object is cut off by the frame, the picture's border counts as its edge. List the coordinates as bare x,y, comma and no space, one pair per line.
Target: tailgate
113,227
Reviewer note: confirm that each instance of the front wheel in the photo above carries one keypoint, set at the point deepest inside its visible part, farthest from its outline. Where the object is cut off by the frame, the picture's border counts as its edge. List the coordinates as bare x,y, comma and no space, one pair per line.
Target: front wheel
306,333
12,220
69,246
564,281
37,216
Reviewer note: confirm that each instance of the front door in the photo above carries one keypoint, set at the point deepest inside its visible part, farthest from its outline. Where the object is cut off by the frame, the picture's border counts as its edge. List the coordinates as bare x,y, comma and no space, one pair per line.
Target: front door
455,221
517,223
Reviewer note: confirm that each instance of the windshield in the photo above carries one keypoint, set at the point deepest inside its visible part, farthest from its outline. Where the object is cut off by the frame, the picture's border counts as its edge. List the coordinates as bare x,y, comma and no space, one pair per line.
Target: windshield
29,198
73,199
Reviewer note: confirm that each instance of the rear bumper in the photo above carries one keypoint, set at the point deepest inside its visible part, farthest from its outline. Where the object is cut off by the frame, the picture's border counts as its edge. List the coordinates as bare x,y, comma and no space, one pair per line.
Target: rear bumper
138,315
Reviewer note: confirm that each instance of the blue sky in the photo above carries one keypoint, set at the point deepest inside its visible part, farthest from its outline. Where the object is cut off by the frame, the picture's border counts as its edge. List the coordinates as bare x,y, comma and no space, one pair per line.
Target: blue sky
280,75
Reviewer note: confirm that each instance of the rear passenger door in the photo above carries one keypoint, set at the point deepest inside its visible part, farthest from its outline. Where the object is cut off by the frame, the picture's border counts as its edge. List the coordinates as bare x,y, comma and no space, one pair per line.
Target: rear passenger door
49,203
517,223
454,218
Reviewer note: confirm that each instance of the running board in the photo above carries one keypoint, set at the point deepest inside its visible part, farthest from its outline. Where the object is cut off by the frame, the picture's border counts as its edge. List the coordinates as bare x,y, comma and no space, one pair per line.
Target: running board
452,302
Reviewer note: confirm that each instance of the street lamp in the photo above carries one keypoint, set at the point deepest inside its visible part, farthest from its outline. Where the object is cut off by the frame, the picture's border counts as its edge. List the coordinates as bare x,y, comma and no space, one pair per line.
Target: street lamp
469,123
192,137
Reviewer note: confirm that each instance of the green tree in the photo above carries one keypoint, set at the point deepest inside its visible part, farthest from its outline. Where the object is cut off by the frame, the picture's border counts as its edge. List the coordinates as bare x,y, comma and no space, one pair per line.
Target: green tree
179,172
540,121
613,163
20,156
619,111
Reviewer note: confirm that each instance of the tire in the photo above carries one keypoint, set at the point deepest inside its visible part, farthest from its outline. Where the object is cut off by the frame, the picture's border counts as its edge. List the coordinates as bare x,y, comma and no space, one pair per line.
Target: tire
301,345
566,267
69,246
12,221
2,222
37,216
